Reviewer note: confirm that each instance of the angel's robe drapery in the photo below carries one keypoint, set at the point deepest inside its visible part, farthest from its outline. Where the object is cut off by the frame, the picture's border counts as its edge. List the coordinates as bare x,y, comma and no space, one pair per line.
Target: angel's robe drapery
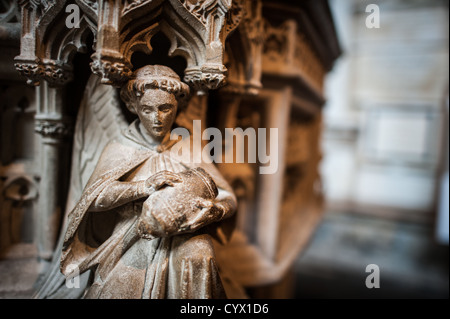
125,265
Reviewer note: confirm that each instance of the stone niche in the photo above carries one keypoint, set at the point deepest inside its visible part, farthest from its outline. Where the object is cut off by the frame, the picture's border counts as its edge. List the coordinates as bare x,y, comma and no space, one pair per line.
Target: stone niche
256,64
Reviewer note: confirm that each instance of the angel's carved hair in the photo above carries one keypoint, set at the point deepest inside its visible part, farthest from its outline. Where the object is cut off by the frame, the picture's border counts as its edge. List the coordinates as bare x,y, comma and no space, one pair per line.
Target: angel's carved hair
154,77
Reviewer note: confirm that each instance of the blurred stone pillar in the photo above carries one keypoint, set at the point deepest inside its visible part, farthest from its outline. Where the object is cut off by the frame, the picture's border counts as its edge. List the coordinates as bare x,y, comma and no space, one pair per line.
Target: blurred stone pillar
54,128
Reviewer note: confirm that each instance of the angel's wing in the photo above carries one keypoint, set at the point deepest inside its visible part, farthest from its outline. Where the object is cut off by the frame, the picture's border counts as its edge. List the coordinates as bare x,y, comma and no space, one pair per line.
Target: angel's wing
100,119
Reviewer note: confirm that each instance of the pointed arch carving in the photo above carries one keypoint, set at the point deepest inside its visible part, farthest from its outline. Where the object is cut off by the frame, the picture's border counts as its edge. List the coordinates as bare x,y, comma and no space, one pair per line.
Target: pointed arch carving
197,30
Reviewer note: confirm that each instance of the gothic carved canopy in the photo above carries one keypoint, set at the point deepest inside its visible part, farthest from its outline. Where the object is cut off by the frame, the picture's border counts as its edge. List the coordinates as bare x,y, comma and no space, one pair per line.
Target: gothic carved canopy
197,30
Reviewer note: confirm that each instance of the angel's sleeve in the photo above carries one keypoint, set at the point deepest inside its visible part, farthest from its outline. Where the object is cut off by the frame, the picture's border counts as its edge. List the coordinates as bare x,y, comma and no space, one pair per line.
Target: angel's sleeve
117,194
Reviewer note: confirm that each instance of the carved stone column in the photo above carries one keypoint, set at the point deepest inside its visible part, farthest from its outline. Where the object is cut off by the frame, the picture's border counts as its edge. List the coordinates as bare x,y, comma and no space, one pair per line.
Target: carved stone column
54,128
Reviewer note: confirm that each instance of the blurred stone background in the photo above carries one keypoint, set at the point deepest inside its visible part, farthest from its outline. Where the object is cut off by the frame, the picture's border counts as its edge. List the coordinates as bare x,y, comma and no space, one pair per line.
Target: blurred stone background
385,167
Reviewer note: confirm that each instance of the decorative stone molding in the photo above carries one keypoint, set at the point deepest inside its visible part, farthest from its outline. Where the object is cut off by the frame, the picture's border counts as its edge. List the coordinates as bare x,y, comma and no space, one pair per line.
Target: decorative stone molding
196,29
20,188
235,15
288,46
45,54
55,129
244,49
32,71
54,74
57,74
111,72
205,79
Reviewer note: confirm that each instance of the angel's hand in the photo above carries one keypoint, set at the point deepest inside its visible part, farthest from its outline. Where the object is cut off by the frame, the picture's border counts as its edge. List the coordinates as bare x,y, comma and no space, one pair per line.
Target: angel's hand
163,178
204,204
208,212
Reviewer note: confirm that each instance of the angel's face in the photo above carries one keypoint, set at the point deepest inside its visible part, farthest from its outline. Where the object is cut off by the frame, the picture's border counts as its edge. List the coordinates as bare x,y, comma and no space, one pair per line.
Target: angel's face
157,110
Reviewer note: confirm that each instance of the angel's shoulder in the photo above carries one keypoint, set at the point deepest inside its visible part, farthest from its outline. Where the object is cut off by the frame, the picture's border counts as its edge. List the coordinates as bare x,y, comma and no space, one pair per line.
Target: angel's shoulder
116,148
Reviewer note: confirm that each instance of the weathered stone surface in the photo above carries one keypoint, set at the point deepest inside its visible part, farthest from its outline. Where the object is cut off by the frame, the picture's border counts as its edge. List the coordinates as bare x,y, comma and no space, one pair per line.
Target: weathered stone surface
226,45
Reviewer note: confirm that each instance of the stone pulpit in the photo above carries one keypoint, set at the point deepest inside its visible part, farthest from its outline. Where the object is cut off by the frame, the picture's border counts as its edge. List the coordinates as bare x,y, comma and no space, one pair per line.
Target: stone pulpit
161,148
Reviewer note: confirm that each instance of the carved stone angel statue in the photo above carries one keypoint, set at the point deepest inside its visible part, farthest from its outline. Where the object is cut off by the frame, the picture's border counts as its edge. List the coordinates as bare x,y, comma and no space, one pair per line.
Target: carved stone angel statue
144,223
